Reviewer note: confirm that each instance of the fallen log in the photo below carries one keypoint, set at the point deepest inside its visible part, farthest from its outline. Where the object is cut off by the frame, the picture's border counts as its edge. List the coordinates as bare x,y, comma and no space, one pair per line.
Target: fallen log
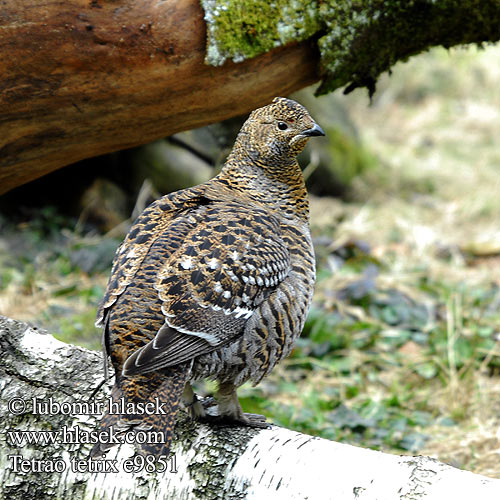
48,417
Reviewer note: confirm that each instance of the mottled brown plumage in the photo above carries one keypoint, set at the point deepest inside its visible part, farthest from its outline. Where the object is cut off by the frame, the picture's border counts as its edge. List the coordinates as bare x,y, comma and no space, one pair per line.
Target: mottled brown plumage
214,281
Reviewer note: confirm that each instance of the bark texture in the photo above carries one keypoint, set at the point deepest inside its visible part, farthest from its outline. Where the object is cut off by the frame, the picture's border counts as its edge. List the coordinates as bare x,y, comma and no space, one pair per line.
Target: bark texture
80,78
210,463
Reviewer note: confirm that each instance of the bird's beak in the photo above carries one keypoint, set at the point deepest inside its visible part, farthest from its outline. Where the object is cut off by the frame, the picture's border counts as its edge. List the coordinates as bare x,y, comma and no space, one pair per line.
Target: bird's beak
315,130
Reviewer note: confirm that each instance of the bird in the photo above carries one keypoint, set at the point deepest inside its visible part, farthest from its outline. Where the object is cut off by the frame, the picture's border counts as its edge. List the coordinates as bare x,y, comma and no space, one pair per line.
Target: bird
212,282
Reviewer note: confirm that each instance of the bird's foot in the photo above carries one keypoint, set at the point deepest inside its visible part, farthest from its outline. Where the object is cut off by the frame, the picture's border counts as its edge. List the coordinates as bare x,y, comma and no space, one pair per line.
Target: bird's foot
255,420
226,409
242,419
196,409
208,402
195,406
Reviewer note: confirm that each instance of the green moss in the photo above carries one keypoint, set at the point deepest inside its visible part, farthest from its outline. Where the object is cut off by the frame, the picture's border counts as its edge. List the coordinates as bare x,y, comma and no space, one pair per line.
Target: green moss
358,39
239,30
366,38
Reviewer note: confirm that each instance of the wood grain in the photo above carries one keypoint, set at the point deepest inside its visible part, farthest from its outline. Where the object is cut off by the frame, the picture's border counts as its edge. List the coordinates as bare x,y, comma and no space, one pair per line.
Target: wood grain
82,78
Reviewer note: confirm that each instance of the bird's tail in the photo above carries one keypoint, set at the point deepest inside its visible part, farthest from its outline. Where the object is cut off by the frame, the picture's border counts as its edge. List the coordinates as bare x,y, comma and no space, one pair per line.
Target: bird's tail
142,411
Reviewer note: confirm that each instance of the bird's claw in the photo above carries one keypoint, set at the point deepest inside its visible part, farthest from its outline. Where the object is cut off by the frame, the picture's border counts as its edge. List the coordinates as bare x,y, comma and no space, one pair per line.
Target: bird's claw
245,419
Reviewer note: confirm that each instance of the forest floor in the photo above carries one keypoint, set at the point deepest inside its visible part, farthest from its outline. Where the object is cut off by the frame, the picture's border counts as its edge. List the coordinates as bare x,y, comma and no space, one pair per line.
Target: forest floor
401,350
430,214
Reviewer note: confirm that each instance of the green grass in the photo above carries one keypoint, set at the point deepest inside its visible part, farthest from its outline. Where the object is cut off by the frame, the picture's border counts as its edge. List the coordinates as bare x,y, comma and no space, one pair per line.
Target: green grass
53,276
368,378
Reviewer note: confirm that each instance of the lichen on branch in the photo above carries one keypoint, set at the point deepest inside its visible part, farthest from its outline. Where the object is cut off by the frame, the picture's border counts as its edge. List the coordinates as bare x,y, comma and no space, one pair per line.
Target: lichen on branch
239,30
357,39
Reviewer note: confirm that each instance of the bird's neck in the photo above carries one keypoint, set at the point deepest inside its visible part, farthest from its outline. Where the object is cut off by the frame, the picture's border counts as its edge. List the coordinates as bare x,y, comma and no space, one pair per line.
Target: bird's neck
278,187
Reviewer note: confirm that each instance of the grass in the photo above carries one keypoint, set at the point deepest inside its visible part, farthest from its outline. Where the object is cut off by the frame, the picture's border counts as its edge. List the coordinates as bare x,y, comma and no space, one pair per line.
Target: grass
430,316
401,349
53,276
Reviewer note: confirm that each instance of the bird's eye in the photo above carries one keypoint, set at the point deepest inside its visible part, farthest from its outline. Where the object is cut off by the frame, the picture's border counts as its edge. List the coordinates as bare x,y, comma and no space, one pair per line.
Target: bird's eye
282,125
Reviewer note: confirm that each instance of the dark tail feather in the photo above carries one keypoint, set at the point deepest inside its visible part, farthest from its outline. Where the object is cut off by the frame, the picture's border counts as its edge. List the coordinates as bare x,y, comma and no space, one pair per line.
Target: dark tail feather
155,397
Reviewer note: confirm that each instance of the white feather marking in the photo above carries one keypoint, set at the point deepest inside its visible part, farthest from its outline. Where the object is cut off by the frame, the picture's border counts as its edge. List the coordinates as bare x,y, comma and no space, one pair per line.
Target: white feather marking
187,263
226,294
242,311
131,254
211,339
213,263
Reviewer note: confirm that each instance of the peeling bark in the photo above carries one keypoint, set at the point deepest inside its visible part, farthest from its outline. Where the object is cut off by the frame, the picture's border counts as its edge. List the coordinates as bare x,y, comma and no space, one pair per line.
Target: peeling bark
210,462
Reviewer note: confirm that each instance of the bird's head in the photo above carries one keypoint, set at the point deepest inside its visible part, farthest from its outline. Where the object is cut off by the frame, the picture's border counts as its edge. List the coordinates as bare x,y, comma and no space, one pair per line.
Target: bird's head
275,134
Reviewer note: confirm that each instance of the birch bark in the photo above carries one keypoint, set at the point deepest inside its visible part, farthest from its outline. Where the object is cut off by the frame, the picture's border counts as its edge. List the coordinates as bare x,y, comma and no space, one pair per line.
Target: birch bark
42,380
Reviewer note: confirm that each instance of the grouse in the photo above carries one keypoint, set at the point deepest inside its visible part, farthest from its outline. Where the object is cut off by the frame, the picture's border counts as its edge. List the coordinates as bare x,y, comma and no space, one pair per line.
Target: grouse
213,282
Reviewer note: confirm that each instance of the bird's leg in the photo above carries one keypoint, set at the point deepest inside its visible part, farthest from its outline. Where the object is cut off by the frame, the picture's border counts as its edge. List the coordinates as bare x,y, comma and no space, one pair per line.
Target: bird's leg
229,409
192,403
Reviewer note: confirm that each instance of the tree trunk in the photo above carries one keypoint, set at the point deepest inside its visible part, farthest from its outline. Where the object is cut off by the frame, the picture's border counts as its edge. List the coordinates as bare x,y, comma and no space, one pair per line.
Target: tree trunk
79,78
38,373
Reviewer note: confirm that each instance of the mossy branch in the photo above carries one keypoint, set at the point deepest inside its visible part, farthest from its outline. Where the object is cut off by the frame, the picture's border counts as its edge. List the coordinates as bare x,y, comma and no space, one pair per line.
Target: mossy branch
358,39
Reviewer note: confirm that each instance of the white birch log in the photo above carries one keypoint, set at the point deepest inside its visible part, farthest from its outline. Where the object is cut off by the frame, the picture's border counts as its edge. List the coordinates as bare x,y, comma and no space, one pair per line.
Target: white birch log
210,462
